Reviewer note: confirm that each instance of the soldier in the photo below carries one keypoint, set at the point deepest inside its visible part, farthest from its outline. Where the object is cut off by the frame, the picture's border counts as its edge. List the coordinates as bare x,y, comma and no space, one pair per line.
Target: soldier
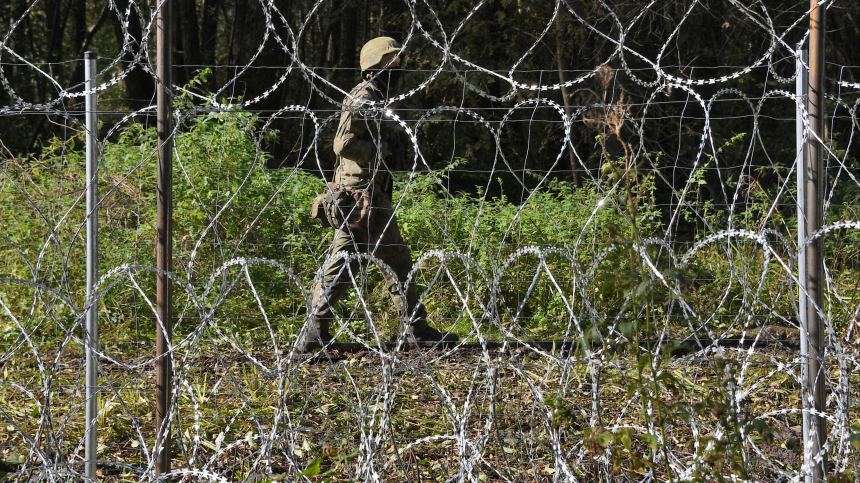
363,144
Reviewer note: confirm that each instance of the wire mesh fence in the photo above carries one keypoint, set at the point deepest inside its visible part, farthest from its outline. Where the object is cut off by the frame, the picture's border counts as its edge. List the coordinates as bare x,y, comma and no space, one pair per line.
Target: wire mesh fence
612,252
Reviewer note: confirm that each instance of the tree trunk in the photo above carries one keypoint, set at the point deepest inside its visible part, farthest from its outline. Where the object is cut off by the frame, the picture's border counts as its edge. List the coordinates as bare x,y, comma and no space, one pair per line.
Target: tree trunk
348,48
390,24
565,96
843,33
189,36
56,23
333,28
209,31
258,78
78,14
138,83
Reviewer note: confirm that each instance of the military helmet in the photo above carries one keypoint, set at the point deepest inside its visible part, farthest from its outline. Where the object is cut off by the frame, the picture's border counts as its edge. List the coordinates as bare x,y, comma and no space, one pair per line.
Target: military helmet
374,50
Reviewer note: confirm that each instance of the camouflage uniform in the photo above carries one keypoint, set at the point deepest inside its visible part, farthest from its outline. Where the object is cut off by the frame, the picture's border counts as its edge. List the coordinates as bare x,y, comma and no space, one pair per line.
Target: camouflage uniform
361,166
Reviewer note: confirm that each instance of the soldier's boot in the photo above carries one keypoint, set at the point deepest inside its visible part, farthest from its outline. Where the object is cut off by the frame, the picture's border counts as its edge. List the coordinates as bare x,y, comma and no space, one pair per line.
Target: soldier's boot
316,331
431,335
315,335
420,330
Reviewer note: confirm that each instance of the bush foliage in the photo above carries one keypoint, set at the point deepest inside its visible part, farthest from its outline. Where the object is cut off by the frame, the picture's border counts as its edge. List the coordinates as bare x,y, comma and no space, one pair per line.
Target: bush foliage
229,204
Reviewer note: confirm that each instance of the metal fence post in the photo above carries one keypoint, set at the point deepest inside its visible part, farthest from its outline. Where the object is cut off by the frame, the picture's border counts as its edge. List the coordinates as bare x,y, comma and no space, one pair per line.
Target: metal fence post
164,245
802,60
91,333
814,214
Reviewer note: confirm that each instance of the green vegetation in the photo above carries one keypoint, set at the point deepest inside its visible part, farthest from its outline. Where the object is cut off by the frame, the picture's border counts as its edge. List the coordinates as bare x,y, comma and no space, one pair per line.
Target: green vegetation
219,175
230,205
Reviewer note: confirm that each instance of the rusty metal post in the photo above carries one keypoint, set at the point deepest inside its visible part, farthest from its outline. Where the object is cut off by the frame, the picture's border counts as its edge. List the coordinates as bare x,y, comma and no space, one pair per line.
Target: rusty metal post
813,211
164,244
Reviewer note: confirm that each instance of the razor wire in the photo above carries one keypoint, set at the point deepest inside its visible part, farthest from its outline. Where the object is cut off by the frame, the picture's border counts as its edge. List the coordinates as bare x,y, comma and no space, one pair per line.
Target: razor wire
597,339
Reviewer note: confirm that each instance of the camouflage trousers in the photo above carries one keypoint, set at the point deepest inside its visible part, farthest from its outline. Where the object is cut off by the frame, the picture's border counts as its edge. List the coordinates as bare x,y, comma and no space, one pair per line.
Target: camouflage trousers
381,238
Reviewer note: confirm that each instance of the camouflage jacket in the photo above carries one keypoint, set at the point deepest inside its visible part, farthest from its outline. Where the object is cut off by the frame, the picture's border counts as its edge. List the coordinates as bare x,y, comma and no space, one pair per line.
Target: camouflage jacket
359,137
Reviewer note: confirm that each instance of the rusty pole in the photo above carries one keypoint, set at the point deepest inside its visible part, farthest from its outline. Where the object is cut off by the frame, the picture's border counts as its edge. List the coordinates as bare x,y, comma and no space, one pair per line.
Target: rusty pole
814,213
164,245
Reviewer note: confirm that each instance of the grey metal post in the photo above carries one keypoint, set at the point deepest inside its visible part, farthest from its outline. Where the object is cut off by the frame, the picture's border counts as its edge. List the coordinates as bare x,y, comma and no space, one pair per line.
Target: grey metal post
802,60
814,213
164,244
91,334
